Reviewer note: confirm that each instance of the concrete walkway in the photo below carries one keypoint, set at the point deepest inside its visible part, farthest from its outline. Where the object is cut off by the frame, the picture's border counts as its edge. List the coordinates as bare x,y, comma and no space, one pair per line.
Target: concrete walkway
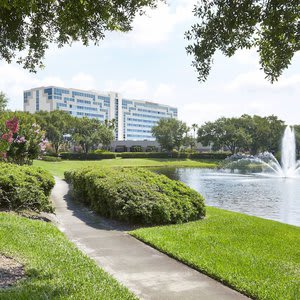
144,270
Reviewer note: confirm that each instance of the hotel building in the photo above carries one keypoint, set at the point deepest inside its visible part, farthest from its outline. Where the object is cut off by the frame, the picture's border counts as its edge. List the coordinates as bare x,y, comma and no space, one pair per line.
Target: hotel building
133,118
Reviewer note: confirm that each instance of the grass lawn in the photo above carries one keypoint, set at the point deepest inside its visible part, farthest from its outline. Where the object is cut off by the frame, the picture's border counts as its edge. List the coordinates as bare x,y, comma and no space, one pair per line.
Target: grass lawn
58,168
258,257
55,268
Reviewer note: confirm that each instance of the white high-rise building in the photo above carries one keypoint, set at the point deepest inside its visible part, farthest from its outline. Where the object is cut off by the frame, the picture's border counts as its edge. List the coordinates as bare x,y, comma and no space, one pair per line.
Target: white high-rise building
133,118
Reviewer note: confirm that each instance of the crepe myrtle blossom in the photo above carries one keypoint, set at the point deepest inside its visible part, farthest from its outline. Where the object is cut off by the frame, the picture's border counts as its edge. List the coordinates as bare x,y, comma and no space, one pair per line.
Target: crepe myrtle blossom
20,140
12,125
7,137
43,145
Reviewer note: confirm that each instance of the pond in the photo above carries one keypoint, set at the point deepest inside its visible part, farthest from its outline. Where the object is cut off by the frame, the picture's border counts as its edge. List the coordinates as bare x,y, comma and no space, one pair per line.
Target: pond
267,197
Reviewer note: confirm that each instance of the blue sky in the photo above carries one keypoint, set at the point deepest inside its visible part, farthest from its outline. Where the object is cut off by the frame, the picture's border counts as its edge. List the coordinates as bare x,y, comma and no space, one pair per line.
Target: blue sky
151,63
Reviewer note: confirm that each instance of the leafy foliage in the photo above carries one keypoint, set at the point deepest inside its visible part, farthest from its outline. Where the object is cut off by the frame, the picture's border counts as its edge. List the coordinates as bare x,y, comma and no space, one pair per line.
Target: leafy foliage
24,187
21,138
297,135
3,101
136,195
246,133
28,27
170,133
87,156
226,25
85,132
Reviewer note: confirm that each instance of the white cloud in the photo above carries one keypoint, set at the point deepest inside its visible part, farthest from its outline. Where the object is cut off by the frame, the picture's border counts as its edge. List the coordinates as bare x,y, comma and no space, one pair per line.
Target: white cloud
131,88
155,26
83,81
14,80
164,93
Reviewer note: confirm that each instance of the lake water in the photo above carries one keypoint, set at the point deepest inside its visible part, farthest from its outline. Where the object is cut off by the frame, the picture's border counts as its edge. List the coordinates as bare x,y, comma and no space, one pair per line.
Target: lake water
271,198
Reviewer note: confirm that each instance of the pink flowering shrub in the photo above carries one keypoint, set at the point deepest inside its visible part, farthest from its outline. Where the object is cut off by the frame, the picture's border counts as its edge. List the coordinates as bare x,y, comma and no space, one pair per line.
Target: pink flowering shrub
21,139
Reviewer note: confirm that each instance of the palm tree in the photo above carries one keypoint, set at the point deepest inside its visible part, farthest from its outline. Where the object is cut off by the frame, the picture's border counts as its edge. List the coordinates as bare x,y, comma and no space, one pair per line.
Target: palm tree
194,127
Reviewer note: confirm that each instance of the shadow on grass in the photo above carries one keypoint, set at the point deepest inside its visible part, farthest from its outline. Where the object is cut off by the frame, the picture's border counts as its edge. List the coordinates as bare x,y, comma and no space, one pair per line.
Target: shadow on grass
34,286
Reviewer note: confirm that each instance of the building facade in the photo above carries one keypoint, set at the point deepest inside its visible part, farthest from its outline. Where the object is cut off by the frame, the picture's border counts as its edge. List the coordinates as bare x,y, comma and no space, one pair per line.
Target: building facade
133,118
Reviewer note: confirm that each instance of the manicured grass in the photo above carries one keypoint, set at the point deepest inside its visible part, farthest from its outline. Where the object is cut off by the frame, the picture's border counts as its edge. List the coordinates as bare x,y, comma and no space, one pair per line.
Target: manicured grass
258,257
58,168
55,268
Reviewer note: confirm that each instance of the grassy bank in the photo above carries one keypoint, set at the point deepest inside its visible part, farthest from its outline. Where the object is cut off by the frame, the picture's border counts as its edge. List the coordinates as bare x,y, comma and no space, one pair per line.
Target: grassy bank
55,268
258,257
58,168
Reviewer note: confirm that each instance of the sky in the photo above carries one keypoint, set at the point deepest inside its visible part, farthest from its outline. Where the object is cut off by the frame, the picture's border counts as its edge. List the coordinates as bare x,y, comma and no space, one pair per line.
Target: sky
151,63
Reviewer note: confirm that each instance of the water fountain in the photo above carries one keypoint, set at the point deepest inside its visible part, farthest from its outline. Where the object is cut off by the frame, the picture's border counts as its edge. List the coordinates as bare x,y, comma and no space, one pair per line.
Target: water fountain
270,166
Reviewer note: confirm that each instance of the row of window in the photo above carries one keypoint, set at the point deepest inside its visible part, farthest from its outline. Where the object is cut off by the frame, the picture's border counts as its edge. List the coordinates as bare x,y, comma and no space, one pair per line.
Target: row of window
86,108
151,111
58,91
80,94
139,136
141,120
37,101
146,116
139,125
138,130
58,105
83,101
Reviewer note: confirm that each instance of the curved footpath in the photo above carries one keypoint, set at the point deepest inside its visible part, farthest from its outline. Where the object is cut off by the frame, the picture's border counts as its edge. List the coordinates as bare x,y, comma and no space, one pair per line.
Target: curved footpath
147,272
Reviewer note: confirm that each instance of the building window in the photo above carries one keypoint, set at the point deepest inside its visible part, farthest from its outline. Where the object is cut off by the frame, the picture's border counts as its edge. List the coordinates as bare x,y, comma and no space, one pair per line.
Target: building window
37,101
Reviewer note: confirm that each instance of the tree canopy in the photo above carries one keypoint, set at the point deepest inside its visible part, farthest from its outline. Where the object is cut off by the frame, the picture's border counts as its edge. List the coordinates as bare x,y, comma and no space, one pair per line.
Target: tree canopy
272,27
28,27
247,133
3,101
170,133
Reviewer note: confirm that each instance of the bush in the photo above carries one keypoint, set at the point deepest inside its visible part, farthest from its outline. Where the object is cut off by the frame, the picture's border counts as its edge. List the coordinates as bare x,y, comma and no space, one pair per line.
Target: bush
209,155
151,149
173,154
24,187
87,156
136,148
50,158
136,195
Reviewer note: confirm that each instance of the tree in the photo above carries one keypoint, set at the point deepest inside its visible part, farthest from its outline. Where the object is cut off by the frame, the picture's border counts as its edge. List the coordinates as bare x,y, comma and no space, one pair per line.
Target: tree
272,27
3,101
170,133
224,133
265,132
21,139
106,136
28,27
56,124
194,127
297,135
246,133
89,133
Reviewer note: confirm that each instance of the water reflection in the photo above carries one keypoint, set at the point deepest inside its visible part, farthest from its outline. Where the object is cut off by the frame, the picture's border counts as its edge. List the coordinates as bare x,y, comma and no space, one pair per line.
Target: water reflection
267,197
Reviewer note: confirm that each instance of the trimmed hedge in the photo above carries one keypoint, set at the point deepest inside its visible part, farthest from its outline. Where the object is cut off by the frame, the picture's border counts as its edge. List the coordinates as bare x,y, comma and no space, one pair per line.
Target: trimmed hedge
87,156
24,187
111,155
50,158
183,155
136,195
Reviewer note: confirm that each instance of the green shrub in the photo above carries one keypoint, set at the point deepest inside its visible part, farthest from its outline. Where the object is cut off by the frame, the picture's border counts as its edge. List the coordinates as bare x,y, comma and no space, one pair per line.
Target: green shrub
24,187
136,195
136,148
209,155
50,158
151,149
87,156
